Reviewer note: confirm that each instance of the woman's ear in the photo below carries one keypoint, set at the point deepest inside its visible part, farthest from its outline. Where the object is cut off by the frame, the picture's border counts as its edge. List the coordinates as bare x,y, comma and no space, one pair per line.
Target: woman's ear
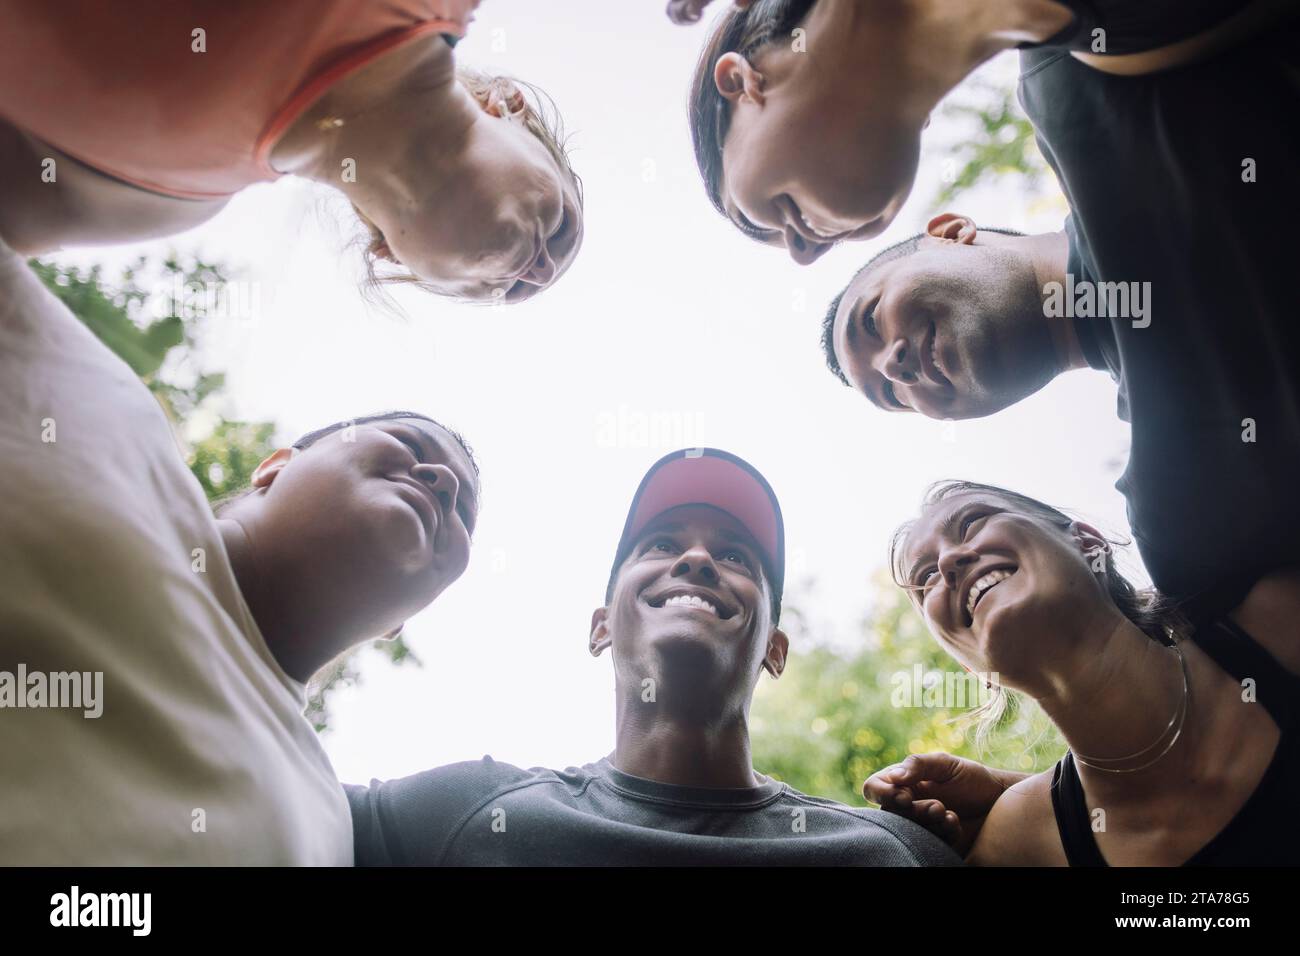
1092,543
505,99
952,227
599,639
737,80
266,471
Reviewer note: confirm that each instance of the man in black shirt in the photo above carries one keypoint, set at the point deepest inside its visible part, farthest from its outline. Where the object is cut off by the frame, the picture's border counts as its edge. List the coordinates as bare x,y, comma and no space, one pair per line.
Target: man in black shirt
962,322
1173,274
690,616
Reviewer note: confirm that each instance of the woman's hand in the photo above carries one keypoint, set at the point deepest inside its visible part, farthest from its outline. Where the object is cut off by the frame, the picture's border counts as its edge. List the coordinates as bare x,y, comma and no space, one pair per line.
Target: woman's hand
949,796
690,11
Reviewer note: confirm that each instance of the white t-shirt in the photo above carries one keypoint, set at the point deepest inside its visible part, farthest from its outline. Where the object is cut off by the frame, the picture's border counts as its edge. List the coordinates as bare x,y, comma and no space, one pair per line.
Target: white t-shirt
201,754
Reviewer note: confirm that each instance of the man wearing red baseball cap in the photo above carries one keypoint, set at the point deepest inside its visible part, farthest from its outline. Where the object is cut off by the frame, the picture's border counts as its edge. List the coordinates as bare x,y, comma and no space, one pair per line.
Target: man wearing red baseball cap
690,615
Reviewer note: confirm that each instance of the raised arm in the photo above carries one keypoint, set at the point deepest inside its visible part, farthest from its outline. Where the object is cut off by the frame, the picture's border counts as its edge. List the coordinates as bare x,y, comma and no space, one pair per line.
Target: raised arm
49,200
1242,27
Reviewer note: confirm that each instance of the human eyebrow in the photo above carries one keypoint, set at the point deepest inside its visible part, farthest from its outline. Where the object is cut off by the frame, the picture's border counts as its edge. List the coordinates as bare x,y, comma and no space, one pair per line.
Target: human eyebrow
741,540
911,574
885,397
658,530
944,530
851,325
951,528
732,536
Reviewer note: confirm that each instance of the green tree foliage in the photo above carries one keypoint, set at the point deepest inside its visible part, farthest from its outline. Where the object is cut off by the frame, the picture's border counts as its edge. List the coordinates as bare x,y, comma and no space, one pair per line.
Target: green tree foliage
834,718
144,315
997,146
154,316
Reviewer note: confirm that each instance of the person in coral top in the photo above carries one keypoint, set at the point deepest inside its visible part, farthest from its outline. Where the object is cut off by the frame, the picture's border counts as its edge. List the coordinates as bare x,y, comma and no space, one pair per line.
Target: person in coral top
125,122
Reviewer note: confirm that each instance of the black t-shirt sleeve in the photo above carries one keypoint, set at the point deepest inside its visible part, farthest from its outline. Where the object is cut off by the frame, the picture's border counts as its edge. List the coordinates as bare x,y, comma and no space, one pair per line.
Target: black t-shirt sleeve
1133,26
410,821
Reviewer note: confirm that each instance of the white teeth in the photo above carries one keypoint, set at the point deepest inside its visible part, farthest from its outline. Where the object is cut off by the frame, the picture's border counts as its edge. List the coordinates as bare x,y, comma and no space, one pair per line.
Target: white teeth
690,600
983,584
825,237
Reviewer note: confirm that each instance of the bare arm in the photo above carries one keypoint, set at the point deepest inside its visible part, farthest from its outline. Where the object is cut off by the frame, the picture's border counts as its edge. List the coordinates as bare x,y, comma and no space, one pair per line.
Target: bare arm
1243,26
1271,615
1020,830
950,796
80,206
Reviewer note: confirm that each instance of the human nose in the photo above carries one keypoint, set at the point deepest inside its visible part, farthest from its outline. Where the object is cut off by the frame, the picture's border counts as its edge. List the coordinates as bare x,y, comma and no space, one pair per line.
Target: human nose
803,251
442,481
697,562
897,362
542,271
953,560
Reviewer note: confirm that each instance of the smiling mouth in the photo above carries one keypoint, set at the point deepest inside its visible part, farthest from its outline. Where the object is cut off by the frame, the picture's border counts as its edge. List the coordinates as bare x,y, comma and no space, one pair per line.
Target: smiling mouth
982,585
806,230
930,359
692,601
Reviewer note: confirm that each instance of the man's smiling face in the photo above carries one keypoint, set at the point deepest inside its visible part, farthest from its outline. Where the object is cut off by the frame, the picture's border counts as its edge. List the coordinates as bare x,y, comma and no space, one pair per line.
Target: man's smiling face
950,331
692,599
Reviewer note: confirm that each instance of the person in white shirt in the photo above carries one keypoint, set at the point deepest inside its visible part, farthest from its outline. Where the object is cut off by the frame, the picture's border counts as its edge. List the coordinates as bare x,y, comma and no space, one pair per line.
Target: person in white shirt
151,702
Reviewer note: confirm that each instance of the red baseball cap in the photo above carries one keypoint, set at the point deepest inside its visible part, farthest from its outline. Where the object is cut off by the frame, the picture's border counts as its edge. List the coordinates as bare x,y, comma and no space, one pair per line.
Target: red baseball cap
709,476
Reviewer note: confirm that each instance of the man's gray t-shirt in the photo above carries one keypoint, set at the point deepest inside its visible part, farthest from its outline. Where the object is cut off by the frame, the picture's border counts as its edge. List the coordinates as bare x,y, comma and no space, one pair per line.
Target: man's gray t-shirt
487,813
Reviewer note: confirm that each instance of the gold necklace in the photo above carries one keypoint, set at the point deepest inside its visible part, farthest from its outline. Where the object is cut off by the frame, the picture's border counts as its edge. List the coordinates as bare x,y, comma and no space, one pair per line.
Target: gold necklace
1180,717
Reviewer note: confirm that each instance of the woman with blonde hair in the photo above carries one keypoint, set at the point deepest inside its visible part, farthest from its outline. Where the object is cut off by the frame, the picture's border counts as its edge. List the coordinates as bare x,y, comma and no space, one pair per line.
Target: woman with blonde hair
1183,745
125,122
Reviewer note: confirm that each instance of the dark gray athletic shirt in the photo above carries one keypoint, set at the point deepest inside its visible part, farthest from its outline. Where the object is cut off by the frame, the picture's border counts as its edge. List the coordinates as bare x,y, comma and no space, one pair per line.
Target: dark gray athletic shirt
487,813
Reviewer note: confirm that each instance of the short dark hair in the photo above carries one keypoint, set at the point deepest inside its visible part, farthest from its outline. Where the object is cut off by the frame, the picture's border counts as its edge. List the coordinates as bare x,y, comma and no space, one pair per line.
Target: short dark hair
312,437
897,251
735,31
309,439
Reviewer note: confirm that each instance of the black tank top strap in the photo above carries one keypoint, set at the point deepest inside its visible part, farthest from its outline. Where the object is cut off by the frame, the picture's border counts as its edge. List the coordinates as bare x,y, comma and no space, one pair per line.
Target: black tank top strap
1241,656
1072,819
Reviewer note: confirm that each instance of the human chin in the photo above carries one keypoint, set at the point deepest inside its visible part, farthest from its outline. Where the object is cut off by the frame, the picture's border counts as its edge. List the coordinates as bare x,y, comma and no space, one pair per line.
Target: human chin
1010,623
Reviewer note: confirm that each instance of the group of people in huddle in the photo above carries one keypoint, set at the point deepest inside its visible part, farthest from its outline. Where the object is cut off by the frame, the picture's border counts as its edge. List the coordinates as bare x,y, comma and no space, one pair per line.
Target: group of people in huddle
1172,127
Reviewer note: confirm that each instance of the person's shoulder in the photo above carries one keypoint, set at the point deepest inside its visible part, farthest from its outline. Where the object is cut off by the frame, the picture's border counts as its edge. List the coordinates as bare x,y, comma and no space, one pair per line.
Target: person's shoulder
1020,829
1268,614
480,776
925,848
411,819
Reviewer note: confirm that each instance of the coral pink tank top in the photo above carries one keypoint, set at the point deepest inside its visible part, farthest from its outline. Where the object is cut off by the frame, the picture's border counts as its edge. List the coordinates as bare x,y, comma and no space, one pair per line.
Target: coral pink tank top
121,86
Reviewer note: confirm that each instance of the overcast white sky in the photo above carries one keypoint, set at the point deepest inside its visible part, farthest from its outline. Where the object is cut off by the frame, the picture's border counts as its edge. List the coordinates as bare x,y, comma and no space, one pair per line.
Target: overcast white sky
667,313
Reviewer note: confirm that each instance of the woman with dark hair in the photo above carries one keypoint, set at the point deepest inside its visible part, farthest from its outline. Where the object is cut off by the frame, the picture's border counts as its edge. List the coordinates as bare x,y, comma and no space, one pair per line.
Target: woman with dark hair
1183,744
153,656
806,115
125,122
